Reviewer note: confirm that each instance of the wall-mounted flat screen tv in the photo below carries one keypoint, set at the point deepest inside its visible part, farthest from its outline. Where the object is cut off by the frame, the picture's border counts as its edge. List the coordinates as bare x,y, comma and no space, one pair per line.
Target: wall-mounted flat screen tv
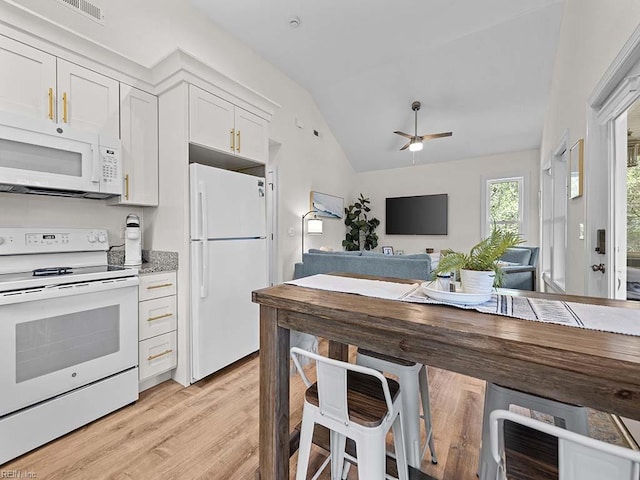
419,215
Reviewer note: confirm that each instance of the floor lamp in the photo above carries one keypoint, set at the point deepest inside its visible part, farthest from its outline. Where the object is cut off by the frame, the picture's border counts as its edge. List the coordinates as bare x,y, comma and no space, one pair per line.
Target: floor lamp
314,227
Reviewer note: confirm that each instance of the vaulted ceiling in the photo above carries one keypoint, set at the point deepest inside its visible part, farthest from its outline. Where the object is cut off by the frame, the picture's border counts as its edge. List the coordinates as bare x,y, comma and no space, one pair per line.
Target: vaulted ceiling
481,69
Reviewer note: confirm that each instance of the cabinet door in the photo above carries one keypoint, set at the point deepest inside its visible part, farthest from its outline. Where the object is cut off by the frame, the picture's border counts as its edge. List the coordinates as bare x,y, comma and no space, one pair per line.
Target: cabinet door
88,100
210,120
139,131
27,80
251,136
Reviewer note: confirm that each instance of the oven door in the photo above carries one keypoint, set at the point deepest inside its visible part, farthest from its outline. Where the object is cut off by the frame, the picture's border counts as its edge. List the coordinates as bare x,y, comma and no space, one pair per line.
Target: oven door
58,338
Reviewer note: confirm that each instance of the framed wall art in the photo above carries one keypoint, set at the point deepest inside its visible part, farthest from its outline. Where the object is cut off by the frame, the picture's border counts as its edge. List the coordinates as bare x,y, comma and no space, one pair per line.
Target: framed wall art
327,205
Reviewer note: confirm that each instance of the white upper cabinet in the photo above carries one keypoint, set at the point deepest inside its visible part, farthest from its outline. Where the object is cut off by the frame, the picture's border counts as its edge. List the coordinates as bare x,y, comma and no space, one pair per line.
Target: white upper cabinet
88,100
139,129
251,136
27,80
219,124
211,120
39,85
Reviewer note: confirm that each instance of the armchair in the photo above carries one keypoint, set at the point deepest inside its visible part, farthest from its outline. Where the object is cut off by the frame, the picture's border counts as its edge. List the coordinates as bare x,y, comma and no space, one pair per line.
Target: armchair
521,271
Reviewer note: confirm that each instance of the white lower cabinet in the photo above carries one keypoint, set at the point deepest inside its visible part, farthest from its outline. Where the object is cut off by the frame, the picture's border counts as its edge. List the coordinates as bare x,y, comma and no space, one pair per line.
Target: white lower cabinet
157,355
157,324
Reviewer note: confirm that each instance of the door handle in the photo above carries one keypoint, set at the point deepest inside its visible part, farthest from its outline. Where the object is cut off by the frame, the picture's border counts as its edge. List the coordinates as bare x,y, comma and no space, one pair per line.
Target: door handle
598,268
238,136
232,144
64,108
51,104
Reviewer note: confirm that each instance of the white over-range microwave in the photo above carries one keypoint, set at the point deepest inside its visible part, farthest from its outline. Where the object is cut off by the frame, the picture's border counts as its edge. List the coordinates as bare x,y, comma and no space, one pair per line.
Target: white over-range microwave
37,156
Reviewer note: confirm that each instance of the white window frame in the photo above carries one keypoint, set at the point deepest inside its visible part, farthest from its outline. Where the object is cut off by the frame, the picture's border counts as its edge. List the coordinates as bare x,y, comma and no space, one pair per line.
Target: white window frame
522,207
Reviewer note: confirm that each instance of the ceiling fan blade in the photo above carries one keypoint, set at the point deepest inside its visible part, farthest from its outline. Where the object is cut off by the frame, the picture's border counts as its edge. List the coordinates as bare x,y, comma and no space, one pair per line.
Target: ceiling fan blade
430,136
404,134
406,146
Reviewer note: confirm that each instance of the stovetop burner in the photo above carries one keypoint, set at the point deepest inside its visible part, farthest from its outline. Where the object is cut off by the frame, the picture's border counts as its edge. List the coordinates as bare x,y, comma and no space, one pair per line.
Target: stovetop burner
52,271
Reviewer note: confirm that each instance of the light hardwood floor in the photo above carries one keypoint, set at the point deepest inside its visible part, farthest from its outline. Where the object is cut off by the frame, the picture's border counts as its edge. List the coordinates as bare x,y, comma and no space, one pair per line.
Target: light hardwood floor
210,431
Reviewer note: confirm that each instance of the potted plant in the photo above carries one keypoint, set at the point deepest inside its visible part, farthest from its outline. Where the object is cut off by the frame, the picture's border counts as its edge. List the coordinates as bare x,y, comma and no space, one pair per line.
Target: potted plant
360,228
479,269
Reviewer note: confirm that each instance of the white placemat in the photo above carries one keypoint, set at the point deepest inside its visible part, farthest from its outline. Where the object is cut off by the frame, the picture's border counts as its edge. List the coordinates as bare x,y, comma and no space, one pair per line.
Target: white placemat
359,286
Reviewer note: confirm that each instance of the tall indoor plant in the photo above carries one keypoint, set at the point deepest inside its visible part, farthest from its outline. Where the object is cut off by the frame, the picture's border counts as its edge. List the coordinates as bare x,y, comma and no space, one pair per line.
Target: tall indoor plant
360,228
479,269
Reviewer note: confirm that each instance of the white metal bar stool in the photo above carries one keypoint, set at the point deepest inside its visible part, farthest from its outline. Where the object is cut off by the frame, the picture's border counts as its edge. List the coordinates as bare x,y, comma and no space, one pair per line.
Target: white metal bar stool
352,402
579,457
414,384
500,398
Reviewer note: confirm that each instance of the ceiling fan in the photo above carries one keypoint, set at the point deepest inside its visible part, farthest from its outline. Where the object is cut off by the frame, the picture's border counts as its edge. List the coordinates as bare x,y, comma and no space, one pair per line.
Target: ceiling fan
415,141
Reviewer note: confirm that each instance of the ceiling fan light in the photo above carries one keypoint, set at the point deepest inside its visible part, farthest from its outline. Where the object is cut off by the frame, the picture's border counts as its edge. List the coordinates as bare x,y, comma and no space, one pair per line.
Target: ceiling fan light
415,146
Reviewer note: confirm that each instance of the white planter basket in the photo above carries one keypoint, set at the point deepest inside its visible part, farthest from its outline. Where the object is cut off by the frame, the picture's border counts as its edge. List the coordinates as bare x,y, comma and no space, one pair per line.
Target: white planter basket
474,281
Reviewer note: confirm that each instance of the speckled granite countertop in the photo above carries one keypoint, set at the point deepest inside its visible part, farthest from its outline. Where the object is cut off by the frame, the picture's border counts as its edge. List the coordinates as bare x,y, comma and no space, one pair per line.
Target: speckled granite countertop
152,260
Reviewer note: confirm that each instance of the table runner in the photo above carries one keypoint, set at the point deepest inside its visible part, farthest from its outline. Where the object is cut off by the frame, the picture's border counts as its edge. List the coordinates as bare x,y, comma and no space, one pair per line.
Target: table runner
594,317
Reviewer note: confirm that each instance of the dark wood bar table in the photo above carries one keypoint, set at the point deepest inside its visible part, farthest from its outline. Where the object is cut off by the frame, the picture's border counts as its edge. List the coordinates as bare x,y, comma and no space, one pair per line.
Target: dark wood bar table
587,367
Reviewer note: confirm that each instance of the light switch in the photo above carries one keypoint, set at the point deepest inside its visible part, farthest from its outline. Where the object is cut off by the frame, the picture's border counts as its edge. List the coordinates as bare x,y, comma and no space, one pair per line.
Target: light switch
581,231
291,232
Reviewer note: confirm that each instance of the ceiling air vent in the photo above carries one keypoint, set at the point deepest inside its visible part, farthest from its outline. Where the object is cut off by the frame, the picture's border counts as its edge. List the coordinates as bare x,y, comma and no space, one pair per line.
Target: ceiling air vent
86,8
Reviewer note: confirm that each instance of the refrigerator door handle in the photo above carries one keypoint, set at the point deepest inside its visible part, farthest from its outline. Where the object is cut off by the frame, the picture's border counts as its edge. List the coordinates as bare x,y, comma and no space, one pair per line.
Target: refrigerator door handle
204,270
204,266
202,197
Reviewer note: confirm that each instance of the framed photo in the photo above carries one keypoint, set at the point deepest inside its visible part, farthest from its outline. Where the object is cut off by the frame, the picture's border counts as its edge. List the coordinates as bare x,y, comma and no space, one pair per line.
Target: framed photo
387,250
327,205
576,159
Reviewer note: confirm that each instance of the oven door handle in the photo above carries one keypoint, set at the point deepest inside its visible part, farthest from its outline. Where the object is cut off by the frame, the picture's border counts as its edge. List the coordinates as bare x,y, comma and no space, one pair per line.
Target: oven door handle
66,290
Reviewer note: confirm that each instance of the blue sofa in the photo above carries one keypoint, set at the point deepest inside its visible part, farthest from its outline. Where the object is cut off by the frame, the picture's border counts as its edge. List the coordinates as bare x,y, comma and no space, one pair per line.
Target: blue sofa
520,274
367,263
522,269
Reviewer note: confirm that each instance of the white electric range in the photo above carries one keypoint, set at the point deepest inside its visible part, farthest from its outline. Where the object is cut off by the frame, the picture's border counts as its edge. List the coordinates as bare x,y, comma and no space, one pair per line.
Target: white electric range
68,334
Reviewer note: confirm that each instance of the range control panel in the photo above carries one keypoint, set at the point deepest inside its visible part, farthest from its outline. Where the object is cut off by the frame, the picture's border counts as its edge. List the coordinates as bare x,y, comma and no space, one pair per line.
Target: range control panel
16,241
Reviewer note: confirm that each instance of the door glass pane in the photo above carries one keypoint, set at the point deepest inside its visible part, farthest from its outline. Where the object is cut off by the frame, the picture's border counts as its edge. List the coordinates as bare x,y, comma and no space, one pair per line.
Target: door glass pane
46,345
559,227
37,158
633,205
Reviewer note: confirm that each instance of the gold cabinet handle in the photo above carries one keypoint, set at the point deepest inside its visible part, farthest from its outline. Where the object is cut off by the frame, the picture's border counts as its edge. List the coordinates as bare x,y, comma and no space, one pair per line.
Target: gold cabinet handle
51,104
151,319
158,355
162,285
126,186
233,139
238,147
64,107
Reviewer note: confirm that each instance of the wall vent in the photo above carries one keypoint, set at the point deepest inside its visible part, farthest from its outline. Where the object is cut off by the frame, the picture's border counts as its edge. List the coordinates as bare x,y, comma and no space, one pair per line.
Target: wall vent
85,8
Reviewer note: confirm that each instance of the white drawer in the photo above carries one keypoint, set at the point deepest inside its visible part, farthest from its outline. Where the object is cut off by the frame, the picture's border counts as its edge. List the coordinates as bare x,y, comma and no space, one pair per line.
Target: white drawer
156,317
156,285
157,355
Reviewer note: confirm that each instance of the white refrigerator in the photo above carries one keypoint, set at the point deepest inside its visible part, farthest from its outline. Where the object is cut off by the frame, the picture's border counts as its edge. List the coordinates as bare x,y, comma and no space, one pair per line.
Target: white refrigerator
228,250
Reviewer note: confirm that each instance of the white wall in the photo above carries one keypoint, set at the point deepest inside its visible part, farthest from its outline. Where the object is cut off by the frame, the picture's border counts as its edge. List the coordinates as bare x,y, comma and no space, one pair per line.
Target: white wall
592,34
462,180
147,31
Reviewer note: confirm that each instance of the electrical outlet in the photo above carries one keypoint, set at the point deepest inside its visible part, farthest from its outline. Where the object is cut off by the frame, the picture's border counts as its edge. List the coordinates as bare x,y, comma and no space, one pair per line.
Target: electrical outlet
581,231
291,232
